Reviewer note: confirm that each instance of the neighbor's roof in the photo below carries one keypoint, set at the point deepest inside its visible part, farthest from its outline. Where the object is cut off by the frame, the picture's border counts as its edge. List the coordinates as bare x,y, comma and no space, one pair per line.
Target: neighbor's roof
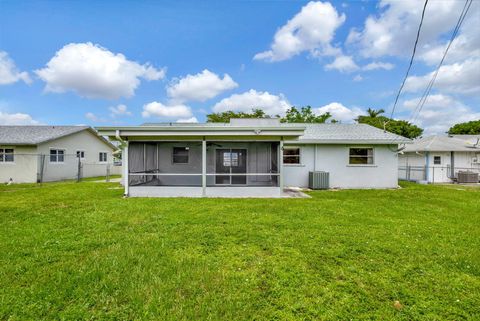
441,144
348,133
34,135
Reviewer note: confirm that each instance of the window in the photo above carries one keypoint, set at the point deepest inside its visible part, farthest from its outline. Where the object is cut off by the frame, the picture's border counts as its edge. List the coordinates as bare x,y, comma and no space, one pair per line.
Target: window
80,154
180,155
102,157
57,155
437,160
361,156
6,155
291,155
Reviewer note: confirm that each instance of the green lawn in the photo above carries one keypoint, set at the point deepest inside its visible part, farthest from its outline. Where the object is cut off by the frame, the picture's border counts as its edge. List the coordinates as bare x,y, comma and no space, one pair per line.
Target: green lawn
75,251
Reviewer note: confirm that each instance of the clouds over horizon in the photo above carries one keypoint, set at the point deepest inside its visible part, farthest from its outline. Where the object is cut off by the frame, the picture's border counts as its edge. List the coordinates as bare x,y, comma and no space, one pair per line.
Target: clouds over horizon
92,71
17,119
252,99
9,72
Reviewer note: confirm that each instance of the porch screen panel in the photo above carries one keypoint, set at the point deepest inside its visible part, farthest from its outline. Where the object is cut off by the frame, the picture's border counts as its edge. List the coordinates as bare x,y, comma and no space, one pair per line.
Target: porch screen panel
136,162
151,161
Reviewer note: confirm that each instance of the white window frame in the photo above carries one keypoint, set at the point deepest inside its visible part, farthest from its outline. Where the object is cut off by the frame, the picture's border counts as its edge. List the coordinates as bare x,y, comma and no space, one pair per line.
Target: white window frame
438,157
361,165
3,153
299,156
187,148
106,157
57,161
80,151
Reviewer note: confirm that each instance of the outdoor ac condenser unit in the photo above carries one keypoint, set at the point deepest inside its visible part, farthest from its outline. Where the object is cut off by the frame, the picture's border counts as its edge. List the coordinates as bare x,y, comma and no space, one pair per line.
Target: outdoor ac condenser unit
318,180
467,177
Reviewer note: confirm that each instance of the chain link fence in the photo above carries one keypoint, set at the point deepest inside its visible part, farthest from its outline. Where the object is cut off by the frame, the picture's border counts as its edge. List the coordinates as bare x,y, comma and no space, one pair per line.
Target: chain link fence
40,168
433,174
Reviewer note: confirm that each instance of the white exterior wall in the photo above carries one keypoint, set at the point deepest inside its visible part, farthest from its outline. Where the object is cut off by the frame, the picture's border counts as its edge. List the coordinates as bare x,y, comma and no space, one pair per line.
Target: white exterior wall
24,167
85,141
335,160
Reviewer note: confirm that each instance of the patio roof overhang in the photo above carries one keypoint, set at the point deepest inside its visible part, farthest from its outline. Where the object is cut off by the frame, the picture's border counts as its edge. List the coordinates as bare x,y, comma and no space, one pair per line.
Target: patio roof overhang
135,133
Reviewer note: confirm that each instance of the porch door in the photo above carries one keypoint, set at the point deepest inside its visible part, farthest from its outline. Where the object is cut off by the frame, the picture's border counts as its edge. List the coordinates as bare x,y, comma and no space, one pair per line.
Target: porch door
231,161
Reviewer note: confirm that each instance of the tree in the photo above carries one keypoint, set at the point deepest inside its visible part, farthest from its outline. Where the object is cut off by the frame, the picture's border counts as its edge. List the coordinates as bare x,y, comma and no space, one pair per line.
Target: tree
224,117
468,128
305,115
399,127
374,113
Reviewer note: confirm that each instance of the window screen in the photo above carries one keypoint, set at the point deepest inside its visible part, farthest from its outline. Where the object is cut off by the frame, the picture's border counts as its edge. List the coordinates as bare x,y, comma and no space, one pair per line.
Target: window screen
437,160
6,155
102,157
291,155
57,155
361,156
180,155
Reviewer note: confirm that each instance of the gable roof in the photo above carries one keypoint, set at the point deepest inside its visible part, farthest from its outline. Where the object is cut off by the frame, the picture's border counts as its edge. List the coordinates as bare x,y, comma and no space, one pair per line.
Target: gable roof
441,144
348,133
34,135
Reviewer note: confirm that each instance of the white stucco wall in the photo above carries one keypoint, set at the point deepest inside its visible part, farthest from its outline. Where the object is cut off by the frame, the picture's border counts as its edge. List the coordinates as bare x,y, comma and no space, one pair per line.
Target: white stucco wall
335,160
85,141
24,167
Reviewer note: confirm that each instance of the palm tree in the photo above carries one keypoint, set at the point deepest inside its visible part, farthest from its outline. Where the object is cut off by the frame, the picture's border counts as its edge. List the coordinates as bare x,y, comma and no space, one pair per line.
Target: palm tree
374,113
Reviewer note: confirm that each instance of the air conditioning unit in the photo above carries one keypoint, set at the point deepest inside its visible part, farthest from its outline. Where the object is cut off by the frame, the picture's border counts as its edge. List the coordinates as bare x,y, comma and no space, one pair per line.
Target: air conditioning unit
318,180
467,177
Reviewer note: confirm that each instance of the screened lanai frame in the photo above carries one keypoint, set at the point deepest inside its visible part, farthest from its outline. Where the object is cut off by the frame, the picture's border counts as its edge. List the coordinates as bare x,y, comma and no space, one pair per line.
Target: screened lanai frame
249,163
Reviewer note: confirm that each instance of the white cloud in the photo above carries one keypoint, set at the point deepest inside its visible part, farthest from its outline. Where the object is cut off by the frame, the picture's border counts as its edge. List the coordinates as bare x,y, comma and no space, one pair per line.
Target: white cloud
17,119
312,30
94,118
343,64
378,65
395,28
199,87
168,111
95,72
9,73
440,112
340,112
358,78
188,120
462,78
271,104
119,110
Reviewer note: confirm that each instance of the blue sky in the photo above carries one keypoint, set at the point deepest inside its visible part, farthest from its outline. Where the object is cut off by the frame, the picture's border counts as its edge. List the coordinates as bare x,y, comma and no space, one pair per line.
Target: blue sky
129,62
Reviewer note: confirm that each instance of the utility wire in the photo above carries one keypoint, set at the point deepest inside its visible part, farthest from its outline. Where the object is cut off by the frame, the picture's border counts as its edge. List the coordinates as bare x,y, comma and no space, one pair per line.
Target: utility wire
423,99
411,60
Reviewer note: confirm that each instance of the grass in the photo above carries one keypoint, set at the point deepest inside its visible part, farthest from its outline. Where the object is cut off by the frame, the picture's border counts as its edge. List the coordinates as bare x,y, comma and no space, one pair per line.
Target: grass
73,251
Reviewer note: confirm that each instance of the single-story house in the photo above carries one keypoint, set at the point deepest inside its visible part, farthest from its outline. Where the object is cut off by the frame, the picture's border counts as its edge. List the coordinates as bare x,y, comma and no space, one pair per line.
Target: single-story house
30,154
439,158
253,157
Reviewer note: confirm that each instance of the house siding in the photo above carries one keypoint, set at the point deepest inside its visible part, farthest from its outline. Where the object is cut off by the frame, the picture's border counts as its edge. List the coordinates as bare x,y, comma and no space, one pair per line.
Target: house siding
335,160
23,169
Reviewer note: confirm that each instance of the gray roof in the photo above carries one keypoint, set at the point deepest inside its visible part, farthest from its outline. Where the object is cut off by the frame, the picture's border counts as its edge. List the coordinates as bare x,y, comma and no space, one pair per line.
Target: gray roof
348,133
322,133
34,135
441,144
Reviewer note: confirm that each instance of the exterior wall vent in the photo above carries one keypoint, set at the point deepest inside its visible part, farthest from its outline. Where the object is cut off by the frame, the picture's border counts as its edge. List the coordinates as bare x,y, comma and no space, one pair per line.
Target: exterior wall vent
318,180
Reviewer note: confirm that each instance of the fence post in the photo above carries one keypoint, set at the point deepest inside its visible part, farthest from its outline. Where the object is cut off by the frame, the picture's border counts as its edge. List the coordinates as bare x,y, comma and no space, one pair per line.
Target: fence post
78,169
107,177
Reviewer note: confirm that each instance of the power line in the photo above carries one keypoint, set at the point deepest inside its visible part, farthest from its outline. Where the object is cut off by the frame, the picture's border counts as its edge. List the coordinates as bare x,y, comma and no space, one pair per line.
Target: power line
411,60
423,99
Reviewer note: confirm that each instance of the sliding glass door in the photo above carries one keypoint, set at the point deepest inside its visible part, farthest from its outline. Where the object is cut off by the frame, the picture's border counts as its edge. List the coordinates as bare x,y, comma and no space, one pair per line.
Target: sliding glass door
228,162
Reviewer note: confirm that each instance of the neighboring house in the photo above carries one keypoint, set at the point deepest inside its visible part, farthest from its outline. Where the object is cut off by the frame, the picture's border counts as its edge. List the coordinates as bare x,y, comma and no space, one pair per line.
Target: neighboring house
438,159
30,154
252,157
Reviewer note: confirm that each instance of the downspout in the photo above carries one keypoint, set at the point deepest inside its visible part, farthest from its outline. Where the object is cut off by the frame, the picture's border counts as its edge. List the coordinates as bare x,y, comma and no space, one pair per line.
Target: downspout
452,165
427,166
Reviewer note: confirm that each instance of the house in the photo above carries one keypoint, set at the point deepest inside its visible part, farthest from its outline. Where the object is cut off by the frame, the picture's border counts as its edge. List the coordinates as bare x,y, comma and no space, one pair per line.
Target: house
439,158
30,154
252,157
